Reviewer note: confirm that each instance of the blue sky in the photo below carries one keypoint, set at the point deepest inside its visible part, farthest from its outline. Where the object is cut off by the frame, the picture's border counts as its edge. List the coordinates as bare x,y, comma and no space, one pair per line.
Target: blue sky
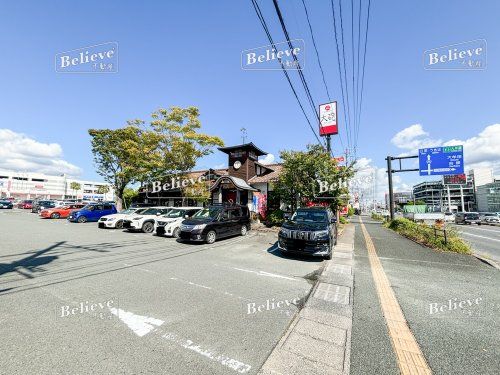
188,53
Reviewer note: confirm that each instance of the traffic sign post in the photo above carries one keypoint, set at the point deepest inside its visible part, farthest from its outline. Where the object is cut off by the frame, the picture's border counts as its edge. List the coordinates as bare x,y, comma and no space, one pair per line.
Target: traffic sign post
441,161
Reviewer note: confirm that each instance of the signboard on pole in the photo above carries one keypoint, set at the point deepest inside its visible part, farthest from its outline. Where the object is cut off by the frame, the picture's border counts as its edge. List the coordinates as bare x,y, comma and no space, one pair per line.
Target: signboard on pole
439,161
328,119
455,179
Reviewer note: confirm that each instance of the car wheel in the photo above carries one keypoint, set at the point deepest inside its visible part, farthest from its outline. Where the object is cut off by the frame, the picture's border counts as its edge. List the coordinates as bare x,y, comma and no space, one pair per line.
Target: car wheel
55,215
176,233
211,237
244,230
148,227
119,224
82,219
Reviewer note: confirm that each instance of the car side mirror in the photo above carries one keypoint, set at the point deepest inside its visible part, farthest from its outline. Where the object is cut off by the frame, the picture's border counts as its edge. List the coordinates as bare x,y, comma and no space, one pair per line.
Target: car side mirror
333,220
286,216
186,216
158,213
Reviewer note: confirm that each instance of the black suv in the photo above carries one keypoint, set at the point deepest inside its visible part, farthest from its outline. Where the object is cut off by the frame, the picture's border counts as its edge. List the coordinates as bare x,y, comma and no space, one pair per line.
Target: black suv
310,231
214,222
6,204
37,206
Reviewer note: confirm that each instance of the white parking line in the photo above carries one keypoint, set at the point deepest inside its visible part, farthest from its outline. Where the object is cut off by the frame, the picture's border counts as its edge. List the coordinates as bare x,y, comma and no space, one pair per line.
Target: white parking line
267,274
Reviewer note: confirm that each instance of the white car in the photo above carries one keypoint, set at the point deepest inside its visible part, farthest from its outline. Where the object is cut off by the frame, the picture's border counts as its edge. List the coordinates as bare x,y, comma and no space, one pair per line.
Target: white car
169,224
145,221
449,216
492,219
116,220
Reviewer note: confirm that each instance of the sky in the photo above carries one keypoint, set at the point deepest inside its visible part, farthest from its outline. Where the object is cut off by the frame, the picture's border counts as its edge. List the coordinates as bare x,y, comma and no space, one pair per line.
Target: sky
188,53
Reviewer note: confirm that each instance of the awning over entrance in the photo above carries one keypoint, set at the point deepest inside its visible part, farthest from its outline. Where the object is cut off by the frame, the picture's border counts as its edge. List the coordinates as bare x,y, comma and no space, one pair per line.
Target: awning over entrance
237,182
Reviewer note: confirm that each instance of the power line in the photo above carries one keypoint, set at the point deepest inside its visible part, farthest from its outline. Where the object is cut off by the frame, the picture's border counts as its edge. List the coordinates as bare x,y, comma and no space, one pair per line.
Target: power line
316,49
345,71
340,74
266,29
363,70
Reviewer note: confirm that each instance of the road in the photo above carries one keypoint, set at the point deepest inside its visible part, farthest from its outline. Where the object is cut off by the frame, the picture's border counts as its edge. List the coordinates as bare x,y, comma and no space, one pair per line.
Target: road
159,306
484,239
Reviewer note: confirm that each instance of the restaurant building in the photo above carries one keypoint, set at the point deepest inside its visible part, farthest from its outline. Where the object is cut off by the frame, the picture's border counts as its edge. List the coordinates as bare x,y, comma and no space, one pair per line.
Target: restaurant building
245,181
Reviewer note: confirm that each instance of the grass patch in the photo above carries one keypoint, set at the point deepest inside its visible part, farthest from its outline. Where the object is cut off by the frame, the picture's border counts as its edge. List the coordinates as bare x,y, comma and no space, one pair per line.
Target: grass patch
424,235
377,217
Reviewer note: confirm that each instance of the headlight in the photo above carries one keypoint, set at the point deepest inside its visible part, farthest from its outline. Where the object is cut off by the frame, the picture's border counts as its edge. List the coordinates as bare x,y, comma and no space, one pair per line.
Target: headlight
111,218
321,235
199,226
285,232
137,218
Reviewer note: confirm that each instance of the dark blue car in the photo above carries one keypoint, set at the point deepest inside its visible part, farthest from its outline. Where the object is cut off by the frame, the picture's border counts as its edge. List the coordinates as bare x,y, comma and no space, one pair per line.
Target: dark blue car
92,212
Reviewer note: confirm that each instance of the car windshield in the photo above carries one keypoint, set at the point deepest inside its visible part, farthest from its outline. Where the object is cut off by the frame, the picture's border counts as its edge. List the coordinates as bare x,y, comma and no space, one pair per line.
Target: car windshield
149,211
175,213
210,212
310,216
129,211
472,216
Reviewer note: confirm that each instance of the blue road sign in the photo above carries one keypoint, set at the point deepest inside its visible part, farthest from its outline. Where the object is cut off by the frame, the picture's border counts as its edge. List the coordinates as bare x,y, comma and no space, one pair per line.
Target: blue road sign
441,160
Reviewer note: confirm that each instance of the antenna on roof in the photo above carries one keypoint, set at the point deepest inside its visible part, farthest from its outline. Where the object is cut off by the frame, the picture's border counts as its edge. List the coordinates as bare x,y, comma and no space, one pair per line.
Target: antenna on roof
243,134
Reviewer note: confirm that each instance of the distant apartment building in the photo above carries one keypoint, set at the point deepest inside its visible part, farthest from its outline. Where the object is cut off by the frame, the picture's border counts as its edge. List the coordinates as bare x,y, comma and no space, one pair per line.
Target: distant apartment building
481,176
28,185
400,198
488,197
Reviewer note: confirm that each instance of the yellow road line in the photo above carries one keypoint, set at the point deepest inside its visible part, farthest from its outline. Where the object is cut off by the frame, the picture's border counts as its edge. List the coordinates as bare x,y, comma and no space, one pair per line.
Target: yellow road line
409,356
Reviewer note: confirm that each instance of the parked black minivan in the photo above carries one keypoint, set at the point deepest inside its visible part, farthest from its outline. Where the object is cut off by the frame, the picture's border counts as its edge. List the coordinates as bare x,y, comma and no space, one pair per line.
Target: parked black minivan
214,222
467,218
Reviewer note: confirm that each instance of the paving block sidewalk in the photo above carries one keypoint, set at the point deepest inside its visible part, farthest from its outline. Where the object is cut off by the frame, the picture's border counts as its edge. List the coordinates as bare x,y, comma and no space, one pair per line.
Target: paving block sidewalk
318,340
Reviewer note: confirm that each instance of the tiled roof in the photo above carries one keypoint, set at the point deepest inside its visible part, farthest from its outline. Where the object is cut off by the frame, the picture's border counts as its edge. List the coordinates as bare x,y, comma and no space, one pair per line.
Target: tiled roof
268,177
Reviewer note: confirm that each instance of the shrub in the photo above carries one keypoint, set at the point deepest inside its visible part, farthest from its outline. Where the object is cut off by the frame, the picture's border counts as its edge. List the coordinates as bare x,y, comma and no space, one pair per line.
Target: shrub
276,217
377,217
343,220
350,211
425,235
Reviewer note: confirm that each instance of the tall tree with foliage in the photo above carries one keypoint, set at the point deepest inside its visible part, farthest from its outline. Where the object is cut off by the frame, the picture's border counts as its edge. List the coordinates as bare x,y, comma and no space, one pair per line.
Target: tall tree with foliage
142,153
75,186
103,189
304,171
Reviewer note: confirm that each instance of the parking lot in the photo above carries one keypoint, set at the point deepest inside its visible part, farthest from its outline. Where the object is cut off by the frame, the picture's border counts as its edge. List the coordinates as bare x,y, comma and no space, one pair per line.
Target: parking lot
78,299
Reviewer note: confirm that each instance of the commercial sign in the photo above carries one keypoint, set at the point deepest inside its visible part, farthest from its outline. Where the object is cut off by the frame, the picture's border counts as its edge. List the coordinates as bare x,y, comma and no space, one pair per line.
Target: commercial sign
455,179
339,159
441,161
328,119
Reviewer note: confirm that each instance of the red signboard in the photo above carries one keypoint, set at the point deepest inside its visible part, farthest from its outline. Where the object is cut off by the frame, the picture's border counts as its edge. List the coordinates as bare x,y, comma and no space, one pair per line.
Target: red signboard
455,179
328,119
339,159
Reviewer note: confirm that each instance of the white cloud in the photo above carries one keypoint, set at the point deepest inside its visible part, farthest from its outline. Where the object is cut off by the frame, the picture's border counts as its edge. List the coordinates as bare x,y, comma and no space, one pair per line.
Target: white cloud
18,152
413,138
268,159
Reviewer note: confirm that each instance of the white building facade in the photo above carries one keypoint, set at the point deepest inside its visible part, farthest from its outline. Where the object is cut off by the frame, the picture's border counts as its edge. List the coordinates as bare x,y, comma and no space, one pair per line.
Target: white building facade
28,185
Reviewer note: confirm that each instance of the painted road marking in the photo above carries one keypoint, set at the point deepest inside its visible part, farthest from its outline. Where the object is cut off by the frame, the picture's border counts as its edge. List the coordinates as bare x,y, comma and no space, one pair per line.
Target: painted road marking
141,325
477,235
409,356
264,273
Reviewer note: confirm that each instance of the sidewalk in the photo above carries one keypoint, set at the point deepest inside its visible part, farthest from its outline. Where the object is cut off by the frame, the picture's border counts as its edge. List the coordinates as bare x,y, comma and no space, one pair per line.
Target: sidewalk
318,341
450,303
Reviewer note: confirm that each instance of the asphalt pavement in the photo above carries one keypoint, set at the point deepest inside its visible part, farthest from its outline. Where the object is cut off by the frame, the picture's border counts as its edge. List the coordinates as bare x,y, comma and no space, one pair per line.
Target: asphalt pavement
450,301
484,239
77,299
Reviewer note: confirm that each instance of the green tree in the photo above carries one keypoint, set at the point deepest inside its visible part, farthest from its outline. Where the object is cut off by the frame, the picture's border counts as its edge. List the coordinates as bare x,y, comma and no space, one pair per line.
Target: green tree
75,186
121,155
180,144
128,195
304,172
170,144
103,189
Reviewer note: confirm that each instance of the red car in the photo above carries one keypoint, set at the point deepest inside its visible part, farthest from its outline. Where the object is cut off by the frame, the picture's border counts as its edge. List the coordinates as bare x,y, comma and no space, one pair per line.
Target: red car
61,212
26,204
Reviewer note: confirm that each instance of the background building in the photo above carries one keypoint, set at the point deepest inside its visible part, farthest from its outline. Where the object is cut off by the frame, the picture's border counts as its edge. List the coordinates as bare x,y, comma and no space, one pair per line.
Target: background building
488,197
400,198
27,185
440,197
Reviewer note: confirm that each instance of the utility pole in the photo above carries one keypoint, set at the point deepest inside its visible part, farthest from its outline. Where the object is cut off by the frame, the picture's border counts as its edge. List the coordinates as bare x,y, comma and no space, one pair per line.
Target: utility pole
391,195
328,146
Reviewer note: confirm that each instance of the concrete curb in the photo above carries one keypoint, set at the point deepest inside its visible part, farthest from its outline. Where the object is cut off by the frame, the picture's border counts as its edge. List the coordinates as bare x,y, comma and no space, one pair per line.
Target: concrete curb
318,340
487,261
